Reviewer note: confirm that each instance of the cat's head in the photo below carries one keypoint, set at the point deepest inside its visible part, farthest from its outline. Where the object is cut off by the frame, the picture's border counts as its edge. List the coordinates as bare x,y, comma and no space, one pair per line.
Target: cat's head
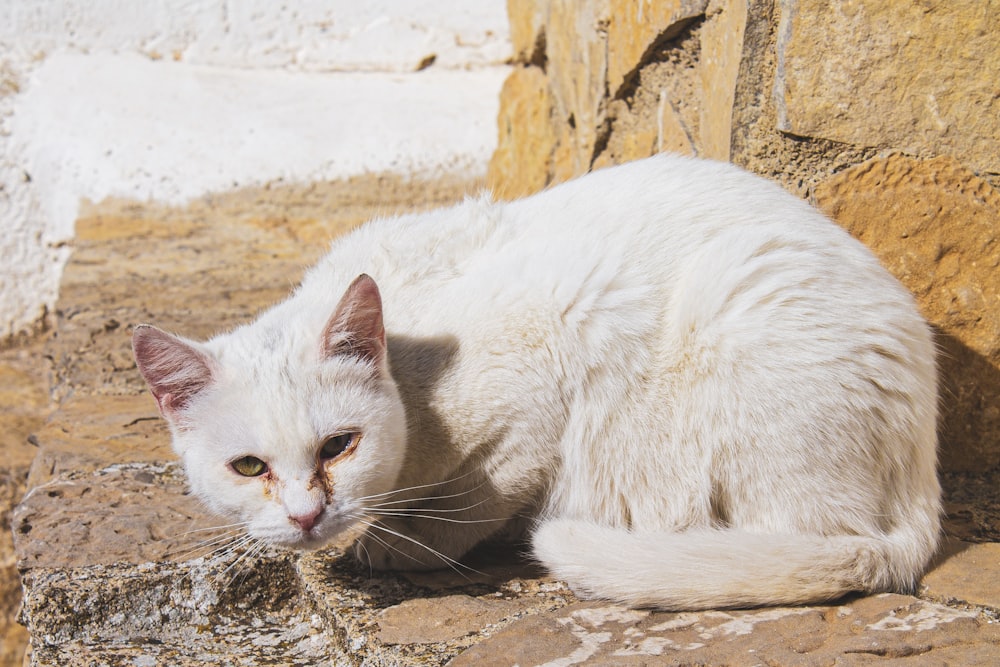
293,439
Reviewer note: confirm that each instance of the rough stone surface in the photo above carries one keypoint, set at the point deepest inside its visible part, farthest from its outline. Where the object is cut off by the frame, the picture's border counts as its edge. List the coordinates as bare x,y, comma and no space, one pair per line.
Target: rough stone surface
177,614
924,78
24,402
719,67
936,226
872,630
968,573
636,26
609,81
522,163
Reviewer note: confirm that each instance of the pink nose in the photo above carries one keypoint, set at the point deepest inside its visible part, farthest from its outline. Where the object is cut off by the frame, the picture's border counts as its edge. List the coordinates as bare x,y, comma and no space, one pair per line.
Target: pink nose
307,521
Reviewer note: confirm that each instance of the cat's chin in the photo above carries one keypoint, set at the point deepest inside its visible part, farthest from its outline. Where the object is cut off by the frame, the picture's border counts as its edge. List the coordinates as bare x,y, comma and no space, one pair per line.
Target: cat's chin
302,542
317,538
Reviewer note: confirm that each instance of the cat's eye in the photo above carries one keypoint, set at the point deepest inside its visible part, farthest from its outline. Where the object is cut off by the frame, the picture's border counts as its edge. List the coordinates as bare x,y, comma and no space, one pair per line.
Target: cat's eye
336,445
249,466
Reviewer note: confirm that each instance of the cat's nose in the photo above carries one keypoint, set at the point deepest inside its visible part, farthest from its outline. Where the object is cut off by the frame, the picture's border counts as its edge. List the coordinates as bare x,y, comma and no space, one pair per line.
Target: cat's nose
307,521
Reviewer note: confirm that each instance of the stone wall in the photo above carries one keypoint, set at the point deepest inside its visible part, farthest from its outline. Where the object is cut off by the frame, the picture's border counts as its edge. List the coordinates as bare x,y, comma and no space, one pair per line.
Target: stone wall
884,113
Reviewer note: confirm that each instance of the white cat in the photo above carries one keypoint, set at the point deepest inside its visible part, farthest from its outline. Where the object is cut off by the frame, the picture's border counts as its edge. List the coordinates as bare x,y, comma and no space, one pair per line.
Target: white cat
690,387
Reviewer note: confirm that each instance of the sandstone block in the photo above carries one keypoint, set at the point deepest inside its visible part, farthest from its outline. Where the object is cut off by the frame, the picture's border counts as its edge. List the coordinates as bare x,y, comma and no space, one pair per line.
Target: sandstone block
190,614
890,626
918,77
522,162
719,66
128,512
936,226
527,27
969,573
576,47
635,26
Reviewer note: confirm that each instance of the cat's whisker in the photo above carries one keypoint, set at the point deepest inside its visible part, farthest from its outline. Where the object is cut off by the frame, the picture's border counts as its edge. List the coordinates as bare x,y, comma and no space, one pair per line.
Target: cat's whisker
387,546
393,492
213,544
221,547
368,557
404,513
447,560
255,546
229,526
425,498
441,510
253,554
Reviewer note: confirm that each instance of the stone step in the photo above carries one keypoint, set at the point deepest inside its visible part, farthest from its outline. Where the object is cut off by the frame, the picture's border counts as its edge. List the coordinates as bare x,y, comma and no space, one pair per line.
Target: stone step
121,566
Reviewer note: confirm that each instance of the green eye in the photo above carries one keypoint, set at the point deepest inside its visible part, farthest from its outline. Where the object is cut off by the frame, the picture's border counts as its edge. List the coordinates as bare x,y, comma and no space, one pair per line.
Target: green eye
336,445
249,466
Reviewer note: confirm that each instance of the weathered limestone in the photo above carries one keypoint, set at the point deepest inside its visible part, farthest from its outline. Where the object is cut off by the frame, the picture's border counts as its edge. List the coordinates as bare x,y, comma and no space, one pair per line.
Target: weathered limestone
24,402
578,100
911,76
522,163
882,627
968,572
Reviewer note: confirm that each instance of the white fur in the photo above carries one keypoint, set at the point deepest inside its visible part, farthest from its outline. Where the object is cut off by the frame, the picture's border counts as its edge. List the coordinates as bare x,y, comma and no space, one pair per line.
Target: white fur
703,392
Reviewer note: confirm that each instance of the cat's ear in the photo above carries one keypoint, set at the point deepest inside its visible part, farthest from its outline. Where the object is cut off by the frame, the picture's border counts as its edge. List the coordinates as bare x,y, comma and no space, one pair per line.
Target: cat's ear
174,369
355,328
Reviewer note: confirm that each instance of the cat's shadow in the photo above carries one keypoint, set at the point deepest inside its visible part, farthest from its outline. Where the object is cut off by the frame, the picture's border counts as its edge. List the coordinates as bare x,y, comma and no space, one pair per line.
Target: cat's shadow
489,567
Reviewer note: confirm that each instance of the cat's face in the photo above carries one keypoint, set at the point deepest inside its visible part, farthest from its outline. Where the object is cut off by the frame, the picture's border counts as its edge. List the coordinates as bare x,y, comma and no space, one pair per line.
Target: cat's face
293,447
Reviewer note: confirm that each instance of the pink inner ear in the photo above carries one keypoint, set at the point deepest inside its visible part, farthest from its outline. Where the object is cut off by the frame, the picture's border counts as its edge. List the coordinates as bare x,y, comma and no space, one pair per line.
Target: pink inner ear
356,327
174,369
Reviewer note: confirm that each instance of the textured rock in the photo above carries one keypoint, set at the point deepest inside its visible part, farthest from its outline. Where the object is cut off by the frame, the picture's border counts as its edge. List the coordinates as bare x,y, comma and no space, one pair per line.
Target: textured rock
968,573
635,27
719,67
923,80
441,619
936,226
882,627
577,56
527,28
596,91
522,162
173,614
24,402
127,512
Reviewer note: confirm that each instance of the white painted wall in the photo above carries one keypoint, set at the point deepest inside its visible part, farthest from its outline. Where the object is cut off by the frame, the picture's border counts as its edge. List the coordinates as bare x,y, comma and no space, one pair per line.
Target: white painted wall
170,99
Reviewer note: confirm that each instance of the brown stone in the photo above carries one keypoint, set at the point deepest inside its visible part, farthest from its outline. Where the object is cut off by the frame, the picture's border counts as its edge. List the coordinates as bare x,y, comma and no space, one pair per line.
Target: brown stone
89,433
916,76
888,626
129,512
527,27
970,573
428,620
24,403
936,226
577,53
634,26
719,66
522,162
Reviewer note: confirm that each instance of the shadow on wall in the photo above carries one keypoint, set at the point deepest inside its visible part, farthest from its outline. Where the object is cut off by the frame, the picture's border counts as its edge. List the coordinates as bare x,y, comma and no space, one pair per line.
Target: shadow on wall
969,403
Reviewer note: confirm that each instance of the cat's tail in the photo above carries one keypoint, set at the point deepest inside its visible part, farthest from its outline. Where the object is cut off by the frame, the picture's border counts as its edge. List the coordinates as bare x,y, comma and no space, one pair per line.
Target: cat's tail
704,569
